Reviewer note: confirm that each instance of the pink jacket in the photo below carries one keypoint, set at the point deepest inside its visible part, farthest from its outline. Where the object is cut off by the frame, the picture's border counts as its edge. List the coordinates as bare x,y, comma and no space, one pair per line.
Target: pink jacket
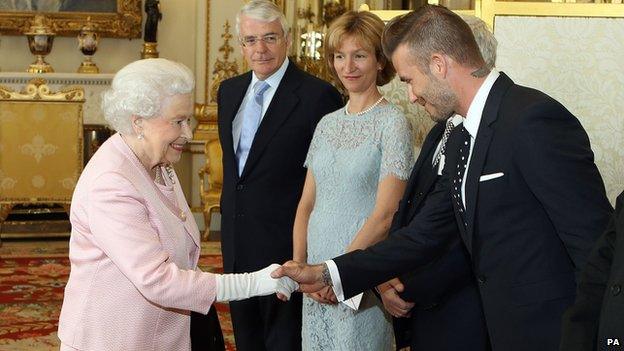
133,259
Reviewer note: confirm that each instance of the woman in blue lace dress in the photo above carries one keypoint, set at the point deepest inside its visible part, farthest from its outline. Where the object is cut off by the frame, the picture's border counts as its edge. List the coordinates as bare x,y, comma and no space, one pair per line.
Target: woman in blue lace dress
359,160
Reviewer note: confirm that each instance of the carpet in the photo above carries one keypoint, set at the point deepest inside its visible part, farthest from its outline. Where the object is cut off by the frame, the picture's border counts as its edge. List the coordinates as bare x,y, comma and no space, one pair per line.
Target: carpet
33,275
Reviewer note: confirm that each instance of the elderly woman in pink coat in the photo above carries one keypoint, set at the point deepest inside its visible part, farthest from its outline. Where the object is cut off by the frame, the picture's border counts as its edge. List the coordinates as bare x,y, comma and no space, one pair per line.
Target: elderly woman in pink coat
134,244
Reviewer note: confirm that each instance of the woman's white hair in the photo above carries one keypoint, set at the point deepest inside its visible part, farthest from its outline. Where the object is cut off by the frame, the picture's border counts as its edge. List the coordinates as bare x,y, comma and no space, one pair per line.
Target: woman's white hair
141,89
262,10
485,39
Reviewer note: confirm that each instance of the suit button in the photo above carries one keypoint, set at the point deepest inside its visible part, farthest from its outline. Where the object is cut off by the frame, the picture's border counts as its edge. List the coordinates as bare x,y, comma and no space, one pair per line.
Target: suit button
481,279
420,194
240,187
616,289
409,202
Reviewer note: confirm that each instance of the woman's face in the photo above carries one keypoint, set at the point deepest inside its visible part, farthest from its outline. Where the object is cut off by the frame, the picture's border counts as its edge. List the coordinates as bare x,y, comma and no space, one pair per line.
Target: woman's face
356,66
164,136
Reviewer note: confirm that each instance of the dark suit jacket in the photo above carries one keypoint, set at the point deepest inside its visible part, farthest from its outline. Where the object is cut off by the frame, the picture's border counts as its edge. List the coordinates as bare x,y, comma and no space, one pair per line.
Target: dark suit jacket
528,232
258,208
596,319
444,289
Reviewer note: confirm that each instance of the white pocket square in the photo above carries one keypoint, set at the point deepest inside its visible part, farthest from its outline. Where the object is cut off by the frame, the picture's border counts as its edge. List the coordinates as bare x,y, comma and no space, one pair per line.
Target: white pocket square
487,177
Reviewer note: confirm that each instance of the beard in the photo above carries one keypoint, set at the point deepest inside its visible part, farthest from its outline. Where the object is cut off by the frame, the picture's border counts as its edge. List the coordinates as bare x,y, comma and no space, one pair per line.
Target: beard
442,100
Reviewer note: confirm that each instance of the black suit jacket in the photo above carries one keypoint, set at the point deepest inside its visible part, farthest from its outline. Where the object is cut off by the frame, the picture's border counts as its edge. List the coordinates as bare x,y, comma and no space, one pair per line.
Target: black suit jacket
258,208
452,270
445,288
528,232
596,320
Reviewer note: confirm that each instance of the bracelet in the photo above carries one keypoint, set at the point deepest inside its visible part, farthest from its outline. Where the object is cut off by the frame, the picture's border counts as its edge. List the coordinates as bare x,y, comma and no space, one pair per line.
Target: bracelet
325,276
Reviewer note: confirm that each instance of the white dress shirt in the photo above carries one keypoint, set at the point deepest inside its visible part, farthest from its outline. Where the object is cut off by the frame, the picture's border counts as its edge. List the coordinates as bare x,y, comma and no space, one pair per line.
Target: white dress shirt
273,81
471,123
473,119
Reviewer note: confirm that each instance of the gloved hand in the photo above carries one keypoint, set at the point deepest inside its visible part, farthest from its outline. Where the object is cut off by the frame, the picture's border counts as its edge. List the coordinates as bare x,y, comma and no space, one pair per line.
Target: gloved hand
239,286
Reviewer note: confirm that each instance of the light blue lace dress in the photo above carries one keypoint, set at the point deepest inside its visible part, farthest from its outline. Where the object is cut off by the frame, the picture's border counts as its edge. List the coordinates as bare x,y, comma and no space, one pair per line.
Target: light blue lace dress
349,156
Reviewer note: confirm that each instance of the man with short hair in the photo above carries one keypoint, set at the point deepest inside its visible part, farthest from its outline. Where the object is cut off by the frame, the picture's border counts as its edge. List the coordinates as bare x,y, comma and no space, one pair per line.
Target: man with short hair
438,307
519,179
266,121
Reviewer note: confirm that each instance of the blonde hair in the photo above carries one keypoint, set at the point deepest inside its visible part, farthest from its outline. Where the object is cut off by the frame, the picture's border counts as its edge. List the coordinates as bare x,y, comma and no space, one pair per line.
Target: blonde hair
366,29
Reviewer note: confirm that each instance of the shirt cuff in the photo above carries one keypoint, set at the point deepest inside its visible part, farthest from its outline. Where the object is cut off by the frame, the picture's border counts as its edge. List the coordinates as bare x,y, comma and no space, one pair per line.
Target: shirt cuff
335,277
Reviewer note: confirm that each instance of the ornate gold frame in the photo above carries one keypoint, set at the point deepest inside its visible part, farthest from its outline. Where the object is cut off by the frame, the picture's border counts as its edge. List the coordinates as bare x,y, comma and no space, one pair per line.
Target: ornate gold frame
126,23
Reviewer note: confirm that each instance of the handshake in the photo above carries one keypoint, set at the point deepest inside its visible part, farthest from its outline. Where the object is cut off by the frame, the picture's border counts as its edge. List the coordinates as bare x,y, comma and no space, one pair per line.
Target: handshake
274,279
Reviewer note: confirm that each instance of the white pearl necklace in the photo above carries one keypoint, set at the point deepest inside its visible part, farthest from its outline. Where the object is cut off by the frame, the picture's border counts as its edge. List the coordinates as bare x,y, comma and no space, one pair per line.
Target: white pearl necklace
367,110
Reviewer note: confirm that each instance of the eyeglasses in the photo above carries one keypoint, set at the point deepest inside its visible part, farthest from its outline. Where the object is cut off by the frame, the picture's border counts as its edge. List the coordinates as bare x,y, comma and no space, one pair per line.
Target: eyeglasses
269,39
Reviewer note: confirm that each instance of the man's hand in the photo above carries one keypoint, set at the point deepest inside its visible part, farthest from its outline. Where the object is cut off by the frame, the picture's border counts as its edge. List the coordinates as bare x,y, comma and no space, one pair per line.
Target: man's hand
325,295
393,303
311,278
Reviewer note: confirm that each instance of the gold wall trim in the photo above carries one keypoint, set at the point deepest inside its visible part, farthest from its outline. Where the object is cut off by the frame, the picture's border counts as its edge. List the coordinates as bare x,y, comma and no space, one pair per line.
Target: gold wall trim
125,23
38,90
487,10
490,9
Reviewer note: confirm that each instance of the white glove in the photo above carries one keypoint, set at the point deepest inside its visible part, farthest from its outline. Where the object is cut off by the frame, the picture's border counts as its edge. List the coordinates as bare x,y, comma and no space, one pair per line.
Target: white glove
239,286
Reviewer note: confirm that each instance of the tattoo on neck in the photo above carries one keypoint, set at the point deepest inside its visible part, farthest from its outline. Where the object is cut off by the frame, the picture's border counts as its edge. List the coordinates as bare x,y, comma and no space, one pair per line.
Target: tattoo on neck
325,276
480,72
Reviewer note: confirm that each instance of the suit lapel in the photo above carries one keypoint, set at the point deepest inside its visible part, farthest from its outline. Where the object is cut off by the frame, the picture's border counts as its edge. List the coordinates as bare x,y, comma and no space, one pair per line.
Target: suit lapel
232,105
480,149
282,104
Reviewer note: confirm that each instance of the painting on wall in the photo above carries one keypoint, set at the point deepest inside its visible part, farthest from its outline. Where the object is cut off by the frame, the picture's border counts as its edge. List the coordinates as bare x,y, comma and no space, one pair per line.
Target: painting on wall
110,18
100,6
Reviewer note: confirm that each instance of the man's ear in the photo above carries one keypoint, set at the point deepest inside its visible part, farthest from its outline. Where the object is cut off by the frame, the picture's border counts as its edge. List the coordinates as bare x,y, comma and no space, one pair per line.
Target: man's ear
438,65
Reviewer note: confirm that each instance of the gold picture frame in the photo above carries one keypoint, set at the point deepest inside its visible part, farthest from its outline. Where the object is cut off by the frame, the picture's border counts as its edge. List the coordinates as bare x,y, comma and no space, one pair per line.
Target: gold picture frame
124,23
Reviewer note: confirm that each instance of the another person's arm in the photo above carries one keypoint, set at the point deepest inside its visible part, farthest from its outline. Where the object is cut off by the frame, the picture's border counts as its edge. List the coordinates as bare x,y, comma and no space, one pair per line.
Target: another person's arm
410,247
397,159
300,232
581,320
302,217
375,229
119,222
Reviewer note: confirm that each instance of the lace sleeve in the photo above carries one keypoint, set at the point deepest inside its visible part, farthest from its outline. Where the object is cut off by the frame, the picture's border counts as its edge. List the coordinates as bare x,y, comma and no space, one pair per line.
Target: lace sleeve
314,145
397,149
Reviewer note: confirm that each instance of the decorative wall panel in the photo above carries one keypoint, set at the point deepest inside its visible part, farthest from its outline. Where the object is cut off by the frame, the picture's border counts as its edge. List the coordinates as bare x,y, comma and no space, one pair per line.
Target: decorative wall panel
578,61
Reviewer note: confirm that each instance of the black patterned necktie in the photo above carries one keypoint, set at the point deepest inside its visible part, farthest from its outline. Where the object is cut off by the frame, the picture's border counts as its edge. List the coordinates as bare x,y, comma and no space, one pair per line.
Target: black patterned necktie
458,176
445,136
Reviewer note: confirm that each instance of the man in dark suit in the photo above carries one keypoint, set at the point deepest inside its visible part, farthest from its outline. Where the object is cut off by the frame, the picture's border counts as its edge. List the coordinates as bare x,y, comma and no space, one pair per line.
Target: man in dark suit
266,121
438,307
596,320
519,179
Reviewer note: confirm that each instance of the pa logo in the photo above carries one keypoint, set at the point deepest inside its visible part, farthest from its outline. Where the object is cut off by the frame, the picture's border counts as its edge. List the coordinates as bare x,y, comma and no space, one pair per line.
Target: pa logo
613,342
